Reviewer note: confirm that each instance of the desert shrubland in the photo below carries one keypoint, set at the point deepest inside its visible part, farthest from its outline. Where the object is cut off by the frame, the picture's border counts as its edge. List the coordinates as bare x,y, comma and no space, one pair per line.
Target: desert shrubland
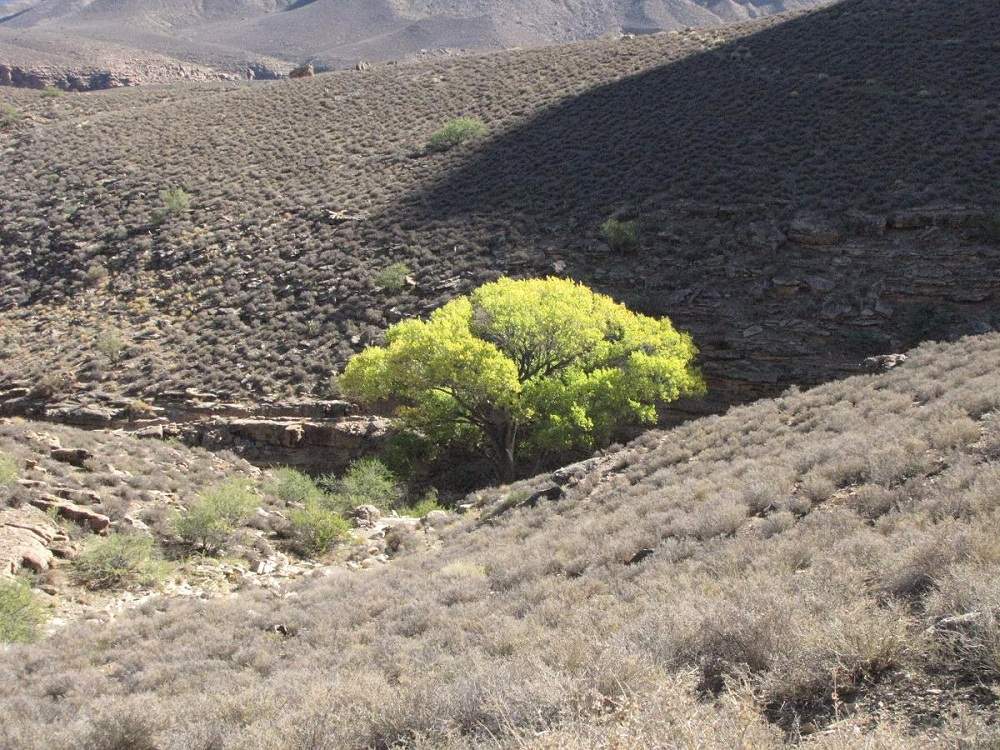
764,610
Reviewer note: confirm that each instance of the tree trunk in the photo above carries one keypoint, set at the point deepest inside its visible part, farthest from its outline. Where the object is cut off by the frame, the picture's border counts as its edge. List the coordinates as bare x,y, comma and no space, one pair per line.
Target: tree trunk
503,440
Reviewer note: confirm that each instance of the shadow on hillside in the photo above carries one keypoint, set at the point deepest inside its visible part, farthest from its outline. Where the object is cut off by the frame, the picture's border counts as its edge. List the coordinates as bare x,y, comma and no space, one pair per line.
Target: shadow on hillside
868,103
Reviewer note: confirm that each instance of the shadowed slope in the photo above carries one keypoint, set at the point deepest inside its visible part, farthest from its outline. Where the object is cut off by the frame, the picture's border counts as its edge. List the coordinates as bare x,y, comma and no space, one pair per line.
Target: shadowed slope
870,104
303,192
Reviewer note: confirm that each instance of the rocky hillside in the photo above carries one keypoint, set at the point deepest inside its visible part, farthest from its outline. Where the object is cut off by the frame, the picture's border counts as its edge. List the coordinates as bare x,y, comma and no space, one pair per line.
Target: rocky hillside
265,37
65,492
240,242
817,570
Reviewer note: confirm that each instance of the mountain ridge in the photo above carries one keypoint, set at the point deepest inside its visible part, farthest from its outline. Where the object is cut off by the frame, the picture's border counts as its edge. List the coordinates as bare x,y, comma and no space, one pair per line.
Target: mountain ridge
232,37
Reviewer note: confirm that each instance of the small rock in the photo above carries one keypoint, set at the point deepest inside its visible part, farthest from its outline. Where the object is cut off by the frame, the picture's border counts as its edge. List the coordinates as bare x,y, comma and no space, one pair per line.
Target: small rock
639,556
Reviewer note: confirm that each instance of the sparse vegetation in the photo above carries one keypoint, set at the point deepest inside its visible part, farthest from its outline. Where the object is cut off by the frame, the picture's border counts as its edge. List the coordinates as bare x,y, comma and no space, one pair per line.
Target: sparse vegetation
521,368
9,117
455,133
119,561
818,569
621,236
393,278
8,470
21,615
96,274
260,241
753,610
111,344
175,201
50,92
215,515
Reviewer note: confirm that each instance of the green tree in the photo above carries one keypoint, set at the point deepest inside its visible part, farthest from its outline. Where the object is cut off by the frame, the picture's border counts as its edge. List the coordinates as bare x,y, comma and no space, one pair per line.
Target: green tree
21,615
518,368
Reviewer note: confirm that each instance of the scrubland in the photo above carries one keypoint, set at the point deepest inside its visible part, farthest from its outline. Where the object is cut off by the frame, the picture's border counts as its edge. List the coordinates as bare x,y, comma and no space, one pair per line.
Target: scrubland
303,193
820,568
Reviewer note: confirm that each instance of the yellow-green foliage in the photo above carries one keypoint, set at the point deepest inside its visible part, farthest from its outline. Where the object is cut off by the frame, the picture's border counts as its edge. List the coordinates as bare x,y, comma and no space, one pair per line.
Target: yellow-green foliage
175,200
292,486
315,528
456,132
8,116
367,481
119,561
393,278
8,470
214,516
524,367
20,614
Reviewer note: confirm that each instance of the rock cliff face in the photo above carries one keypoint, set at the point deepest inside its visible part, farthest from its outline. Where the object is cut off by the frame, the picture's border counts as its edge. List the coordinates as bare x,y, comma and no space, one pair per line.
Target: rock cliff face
319,435
94,79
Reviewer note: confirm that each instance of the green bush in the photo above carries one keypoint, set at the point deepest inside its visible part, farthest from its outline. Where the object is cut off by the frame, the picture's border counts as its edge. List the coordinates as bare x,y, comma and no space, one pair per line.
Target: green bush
8,116
8,470
456,132
292,486
51,92
621,236
175,200
119,561
315,528
215,515
393,278
20,613
367,482
429,502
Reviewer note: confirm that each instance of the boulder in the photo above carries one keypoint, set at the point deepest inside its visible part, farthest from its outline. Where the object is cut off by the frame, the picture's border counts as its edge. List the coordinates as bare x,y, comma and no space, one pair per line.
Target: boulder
73,456
97,522
303,71
884,362
813,229
366,516
26,538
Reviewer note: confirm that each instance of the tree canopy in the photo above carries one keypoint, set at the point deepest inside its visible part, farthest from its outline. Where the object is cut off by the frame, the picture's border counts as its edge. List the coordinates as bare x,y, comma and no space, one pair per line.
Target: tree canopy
519,368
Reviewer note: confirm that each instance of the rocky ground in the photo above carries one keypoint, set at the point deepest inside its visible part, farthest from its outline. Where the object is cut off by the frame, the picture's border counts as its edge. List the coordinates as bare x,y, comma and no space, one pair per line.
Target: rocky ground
74,485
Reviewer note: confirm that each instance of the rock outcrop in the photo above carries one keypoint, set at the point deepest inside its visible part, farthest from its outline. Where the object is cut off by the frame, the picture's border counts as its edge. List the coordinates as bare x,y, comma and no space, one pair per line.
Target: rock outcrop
27,536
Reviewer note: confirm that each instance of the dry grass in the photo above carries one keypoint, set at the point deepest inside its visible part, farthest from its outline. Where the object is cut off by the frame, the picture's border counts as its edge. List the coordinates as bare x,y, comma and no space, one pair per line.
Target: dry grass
846,620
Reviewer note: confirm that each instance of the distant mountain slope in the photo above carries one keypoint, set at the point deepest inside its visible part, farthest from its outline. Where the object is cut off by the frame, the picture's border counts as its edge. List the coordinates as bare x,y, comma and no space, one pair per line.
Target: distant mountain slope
231,34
